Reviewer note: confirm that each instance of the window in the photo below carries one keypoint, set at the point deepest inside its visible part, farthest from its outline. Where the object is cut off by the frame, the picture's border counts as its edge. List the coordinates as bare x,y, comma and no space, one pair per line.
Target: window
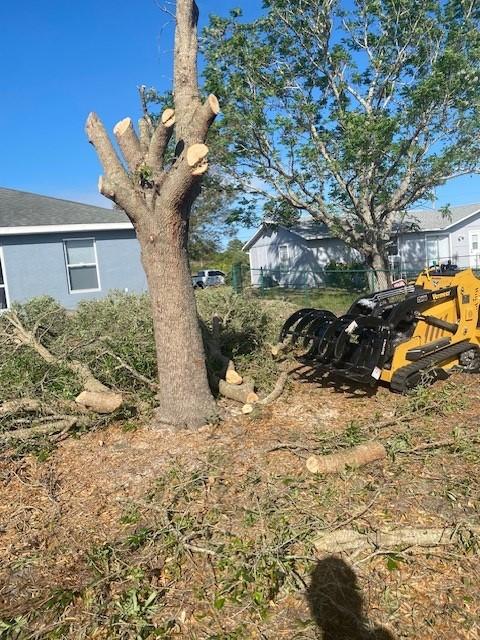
437,249
474,242
392,247
3,288
82,267
283,253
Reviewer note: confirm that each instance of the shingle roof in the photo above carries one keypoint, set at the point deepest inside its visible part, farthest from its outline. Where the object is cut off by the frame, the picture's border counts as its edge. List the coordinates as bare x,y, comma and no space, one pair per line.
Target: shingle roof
22,209
430,219
422,219
415,220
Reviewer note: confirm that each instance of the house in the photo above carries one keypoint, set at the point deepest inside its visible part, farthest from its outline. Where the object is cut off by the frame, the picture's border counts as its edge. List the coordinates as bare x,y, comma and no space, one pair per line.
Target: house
298,255
64,249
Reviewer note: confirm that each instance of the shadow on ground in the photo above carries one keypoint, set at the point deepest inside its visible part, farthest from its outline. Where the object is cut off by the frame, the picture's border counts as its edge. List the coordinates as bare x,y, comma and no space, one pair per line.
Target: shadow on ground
307,373
336,603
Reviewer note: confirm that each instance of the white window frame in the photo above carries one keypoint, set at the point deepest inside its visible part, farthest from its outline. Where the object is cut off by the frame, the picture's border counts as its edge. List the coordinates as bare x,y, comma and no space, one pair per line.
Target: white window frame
287,259
474,258
83,264
5,284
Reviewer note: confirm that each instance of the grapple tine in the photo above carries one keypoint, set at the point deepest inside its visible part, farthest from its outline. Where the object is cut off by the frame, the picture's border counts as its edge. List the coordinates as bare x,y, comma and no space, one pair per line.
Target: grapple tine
291,321
301,326
322,319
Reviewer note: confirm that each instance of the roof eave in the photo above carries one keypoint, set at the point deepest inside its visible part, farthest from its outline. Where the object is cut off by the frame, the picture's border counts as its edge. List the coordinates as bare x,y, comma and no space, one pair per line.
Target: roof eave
64,228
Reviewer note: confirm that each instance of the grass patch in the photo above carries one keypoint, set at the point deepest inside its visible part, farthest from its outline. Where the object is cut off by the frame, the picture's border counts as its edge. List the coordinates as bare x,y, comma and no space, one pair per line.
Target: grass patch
335,300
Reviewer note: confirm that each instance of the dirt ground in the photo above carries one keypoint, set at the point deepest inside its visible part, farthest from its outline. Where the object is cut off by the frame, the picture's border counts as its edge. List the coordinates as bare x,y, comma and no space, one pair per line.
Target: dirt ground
128,532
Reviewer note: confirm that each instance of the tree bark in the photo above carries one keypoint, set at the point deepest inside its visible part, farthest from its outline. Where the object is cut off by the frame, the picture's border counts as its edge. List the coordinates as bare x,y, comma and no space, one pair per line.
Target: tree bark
184,395
348,540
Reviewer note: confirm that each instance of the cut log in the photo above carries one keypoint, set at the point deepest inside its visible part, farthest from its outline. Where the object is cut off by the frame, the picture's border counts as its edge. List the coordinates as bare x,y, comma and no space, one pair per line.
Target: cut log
38,430
243,393
352,540
353,457
24,405
231,376
168,118
100,402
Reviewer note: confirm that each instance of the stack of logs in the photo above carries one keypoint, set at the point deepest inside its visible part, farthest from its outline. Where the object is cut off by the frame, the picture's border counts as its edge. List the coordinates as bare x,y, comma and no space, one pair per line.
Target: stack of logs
230,384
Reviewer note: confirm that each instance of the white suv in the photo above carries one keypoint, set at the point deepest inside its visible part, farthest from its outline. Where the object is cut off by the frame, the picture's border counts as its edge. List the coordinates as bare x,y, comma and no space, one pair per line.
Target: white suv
208,278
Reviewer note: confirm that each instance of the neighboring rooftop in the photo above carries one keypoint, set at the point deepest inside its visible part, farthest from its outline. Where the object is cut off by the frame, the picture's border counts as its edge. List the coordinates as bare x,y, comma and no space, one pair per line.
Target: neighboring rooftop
415,220
422,219
432,219
22,209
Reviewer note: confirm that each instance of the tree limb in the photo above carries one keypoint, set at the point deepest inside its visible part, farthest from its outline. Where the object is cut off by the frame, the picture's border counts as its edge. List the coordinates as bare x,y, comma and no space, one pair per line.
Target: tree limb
352,540
129,143
38,430
353,457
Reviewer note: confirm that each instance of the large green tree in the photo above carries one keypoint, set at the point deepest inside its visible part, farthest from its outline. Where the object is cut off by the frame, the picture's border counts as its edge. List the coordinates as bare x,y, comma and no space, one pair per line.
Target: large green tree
349,112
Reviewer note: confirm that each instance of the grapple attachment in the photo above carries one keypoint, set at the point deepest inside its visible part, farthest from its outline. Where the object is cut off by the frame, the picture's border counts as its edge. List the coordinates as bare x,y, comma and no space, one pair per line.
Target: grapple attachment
390,336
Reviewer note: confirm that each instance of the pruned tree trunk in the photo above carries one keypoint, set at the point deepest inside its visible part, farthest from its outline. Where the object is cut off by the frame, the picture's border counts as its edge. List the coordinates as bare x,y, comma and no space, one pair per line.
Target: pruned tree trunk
183,394
158,198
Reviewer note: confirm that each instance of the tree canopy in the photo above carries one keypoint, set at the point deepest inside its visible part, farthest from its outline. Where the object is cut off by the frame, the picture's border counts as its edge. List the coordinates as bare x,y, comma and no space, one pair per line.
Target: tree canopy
351,113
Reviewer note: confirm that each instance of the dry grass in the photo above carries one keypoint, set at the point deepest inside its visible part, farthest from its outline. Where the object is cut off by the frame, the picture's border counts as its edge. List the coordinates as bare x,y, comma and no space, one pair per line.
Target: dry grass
131,533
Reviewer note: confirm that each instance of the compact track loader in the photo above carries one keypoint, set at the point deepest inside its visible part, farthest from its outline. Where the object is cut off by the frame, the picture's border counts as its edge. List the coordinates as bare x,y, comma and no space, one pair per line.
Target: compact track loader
418,333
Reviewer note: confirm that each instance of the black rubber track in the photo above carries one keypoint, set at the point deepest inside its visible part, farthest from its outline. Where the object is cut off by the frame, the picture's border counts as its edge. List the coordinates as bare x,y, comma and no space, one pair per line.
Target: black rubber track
399,382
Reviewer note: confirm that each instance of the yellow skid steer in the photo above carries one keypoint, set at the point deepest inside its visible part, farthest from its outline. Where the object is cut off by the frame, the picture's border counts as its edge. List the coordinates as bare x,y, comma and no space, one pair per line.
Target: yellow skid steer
405,336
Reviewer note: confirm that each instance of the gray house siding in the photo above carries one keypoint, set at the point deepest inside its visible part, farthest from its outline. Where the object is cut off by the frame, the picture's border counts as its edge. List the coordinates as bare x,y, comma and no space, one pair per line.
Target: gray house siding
304,260
287,255
35,265
461,246
454,243
416,250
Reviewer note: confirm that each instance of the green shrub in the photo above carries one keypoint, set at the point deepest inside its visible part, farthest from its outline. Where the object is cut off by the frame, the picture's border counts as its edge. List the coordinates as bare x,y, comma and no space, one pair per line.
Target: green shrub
117,329
114,336
249,329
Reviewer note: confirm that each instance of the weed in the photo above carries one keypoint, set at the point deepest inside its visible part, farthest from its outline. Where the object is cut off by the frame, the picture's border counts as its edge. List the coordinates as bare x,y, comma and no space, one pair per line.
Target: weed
129,426
131,515
13,628
60,599
436,400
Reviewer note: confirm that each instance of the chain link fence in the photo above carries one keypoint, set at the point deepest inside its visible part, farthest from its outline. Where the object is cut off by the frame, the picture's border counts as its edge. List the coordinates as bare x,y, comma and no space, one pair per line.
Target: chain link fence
273,283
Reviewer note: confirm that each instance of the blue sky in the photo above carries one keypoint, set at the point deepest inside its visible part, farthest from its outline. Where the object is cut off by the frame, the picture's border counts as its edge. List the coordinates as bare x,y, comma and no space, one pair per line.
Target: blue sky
59,60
